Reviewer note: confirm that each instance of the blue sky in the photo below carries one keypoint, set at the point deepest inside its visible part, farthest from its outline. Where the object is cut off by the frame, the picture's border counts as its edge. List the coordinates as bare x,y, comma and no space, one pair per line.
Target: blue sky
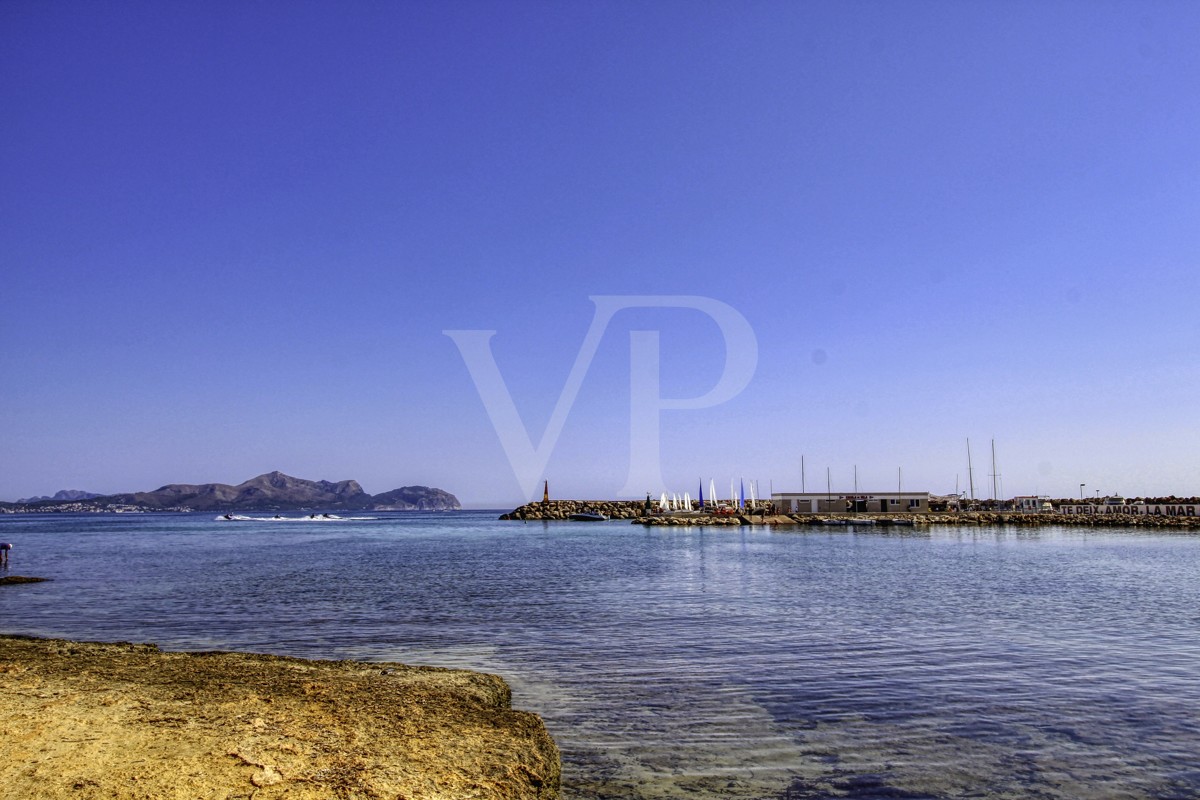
233,234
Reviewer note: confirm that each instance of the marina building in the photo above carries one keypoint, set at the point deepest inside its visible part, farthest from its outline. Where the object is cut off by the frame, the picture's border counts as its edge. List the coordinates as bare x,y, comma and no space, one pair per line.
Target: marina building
834,503
1032,503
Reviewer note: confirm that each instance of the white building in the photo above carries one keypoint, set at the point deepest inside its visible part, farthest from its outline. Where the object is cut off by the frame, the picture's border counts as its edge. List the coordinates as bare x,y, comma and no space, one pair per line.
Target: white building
1032,503
864,502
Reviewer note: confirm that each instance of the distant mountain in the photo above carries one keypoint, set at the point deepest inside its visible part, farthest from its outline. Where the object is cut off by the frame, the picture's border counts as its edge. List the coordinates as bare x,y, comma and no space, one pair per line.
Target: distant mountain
273,491
63,495
414,498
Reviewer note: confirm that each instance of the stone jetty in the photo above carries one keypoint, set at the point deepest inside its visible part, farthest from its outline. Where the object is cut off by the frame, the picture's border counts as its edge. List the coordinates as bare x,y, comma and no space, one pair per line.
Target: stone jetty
939,518
562,509
634,510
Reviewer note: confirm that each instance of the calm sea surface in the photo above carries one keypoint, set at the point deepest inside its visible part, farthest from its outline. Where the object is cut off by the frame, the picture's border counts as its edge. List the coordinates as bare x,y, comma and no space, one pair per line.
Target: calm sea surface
701,662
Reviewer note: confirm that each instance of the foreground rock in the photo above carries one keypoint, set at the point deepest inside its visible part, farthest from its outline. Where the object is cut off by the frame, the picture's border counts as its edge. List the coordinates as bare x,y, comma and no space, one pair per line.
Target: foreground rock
7,579
86,720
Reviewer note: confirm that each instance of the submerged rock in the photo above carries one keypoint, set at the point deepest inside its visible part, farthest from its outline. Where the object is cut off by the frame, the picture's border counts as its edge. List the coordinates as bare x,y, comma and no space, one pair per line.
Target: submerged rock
20,579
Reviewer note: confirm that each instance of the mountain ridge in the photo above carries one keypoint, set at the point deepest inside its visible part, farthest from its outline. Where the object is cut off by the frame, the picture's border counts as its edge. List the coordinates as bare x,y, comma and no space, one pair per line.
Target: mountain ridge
272,491
64,495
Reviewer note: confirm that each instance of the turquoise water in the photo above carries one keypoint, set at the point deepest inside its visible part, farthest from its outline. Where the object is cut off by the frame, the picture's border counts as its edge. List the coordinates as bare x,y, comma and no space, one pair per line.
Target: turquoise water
702,663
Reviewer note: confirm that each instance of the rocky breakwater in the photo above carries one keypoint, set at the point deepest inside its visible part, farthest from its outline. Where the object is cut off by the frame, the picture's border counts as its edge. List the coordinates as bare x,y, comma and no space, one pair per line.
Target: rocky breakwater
634,510
563,509
940,518
711,519
86,720
1069,520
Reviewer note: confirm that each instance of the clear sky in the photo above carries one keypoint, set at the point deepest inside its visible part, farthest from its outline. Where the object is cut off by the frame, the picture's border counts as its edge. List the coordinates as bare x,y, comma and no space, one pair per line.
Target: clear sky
232,235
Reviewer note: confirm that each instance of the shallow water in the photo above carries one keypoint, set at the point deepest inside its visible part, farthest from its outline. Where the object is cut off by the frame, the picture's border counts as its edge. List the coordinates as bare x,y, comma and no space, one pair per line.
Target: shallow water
702,663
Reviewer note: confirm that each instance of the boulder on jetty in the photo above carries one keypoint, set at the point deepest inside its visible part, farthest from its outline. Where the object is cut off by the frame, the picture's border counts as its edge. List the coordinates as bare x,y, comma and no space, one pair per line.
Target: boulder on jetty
86,720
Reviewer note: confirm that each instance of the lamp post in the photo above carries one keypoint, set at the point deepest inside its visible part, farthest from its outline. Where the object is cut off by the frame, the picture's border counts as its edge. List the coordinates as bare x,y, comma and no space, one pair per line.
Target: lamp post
1081,491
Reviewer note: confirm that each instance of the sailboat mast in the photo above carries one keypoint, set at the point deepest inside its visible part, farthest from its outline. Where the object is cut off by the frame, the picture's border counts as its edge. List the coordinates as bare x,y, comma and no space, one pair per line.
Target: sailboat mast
970,471
995,494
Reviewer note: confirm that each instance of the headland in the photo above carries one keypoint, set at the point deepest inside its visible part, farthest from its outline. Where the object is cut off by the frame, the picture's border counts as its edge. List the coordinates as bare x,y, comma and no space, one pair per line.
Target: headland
272,491
87,720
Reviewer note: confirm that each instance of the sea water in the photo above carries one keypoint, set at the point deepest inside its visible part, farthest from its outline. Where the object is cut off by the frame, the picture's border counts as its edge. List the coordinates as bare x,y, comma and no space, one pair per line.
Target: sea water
699,662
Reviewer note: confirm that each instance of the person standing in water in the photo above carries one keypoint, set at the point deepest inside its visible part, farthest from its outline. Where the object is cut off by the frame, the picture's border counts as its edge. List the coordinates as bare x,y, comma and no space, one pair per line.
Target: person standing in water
4,548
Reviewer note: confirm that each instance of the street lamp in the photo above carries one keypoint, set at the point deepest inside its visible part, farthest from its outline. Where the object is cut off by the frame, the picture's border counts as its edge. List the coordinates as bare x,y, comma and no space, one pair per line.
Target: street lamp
1081,491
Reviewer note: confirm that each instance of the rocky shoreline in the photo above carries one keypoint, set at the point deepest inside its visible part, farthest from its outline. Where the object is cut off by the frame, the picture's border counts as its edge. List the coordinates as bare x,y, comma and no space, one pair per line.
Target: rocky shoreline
634,510
88,720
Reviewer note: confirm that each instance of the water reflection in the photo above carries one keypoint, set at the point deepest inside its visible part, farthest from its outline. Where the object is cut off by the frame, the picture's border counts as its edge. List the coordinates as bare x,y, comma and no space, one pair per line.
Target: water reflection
710,663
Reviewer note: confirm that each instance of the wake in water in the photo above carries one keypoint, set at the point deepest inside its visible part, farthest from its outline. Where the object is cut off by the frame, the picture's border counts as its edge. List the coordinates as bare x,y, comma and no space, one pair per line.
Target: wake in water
277,518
